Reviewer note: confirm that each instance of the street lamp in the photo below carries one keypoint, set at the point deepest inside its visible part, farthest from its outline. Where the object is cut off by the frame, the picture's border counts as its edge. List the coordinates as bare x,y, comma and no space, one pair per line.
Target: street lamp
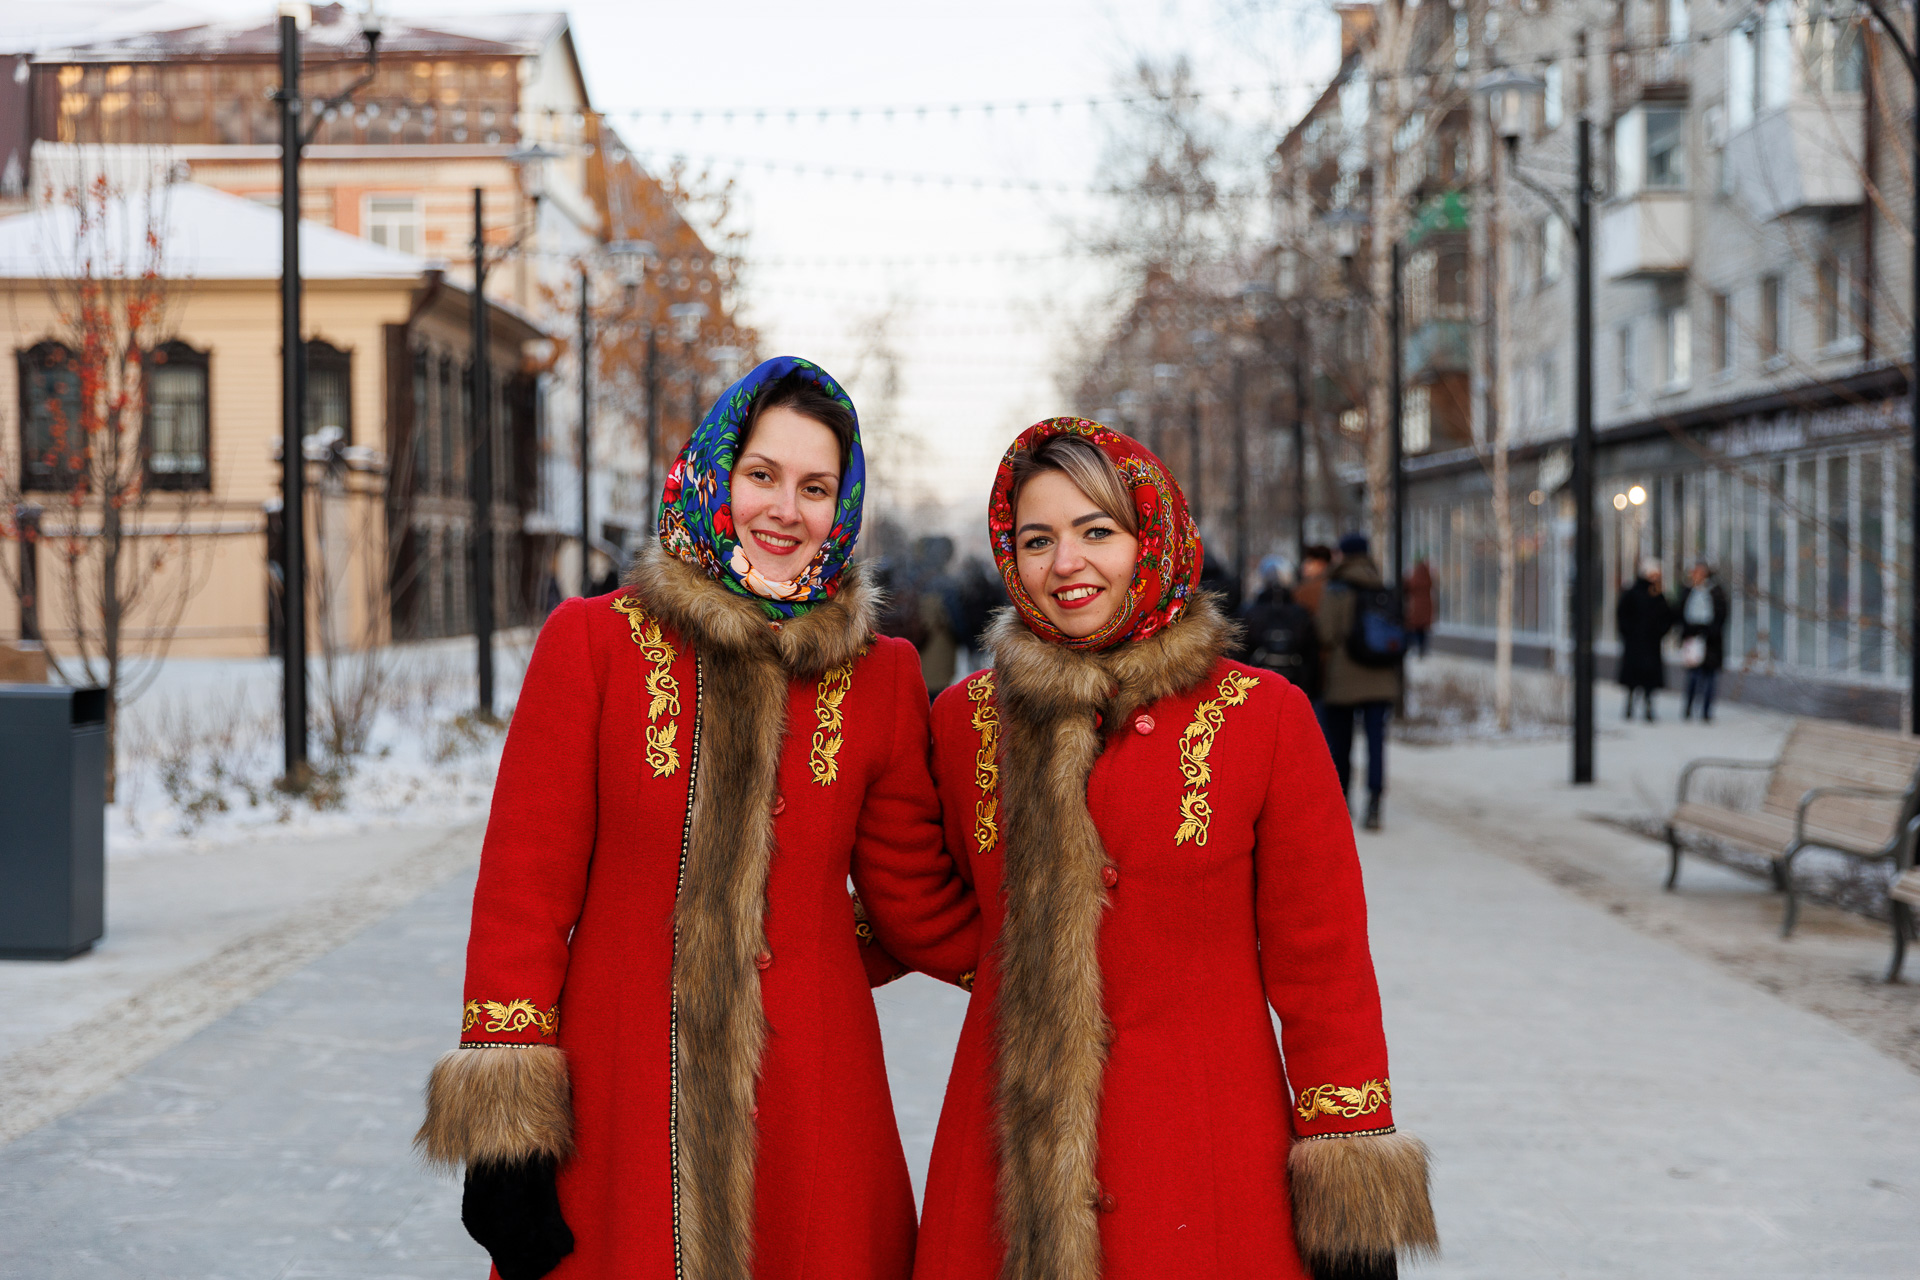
1507,92
294,137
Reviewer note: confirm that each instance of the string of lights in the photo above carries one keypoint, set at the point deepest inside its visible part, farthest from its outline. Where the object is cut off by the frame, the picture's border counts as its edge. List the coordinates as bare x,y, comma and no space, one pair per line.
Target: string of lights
1020,109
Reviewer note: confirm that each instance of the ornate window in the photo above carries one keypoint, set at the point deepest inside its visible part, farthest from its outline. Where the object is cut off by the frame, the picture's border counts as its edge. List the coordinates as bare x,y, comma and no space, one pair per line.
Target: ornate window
52,436
177,419
329,390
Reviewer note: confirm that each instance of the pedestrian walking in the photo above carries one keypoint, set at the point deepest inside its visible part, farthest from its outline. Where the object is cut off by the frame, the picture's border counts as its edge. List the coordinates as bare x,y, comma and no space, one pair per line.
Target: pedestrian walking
1279,632
1159,853
1420,605
1316,562
1364,639
669,1060
1643,617
1703,638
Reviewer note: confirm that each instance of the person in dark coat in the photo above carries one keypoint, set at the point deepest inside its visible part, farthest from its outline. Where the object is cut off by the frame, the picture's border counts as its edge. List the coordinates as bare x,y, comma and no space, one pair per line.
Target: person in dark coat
1279,634
1643,617
1703,637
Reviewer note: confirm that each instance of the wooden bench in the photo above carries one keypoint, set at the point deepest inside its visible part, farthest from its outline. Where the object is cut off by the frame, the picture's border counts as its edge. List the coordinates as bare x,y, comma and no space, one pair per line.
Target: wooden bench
1834,786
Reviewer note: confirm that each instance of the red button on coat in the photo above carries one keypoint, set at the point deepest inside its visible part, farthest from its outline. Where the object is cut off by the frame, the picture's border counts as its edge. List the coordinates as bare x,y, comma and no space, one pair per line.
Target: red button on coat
1143,724
1107,1202
779,805
1109,876
764,960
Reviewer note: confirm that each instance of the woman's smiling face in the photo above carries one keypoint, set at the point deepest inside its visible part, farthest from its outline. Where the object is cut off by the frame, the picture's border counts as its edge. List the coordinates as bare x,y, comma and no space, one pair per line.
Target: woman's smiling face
786,485
1076,561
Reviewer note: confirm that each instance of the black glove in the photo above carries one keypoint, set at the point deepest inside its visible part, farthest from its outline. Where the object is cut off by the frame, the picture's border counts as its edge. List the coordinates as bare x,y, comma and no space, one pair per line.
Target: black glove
513,1211
1374,1266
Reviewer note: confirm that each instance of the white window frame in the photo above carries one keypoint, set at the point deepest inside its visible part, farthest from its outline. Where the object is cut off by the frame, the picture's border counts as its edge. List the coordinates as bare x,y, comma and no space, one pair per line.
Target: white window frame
394,218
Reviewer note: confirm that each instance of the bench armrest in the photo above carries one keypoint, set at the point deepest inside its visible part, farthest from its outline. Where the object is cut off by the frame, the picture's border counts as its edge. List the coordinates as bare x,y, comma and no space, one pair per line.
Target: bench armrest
1712,762
1867,793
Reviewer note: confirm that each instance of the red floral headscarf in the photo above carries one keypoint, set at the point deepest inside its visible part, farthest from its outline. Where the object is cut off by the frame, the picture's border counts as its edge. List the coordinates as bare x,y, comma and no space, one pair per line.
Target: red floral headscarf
1169,566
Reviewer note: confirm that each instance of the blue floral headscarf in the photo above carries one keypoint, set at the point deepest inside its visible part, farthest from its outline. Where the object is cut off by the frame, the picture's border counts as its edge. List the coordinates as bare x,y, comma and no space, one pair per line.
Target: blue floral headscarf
696,503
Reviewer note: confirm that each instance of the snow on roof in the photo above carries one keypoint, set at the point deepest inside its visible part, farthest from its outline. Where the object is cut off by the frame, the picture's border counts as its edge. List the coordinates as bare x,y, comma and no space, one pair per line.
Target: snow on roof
204,235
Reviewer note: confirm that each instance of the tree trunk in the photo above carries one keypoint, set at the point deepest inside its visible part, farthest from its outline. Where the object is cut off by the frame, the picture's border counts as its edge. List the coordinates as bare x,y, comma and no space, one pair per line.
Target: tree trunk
111,531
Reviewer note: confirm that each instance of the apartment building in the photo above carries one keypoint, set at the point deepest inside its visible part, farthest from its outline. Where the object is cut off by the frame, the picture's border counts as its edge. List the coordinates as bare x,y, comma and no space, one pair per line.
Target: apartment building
1750,339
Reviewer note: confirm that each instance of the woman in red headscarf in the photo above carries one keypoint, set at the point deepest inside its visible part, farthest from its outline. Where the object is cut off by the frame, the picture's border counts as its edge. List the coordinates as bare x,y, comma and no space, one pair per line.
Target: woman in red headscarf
1160,851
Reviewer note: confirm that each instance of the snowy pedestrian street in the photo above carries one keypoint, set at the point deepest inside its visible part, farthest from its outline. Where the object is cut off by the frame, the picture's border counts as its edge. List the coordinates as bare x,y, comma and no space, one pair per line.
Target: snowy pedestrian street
1605,1093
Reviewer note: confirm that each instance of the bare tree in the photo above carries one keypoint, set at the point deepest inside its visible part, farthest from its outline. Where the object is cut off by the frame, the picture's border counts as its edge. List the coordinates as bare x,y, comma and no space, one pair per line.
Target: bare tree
124,563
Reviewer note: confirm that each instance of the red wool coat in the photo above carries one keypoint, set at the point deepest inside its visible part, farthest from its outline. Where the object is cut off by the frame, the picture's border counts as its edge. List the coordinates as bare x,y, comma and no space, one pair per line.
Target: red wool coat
648,737
1217,877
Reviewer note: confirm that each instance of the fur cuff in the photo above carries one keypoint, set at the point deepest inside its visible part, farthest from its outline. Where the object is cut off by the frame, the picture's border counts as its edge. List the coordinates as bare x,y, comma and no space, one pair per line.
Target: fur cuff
494,1104
1360,1197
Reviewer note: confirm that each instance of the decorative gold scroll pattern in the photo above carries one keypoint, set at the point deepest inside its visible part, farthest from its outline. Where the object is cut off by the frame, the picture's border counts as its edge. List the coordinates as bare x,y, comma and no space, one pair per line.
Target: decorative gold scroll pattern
495,1018
966,979
1347,1104
663,690
986,763
824,759
1196,745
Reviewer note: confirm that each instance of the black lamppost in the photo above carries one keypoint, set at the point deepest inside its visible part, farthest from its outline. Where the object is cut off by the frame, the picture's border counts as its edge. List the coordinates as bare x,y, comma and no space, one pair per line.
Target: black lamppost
1201,341
1910,56
295,134
1507,91
531,164
1396,423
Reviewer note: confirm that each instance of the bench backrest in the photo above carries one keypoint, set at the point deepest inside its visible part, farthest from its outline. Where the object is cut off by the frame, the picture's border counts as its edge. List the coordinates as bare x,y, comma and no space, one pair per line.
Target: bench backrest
1822,753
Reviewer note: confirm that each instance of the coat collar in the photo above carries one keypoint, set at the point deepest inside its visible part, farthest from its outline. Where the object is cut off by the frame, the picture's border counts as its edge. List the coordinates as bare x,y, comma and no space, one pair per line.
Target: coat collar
1044,681
718,621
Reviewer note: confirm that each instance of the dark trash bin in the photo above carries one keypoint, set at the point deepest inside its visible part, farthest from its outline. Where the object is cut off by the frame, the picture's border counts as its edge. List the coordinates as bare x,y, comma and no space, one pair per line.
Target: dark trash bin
53,820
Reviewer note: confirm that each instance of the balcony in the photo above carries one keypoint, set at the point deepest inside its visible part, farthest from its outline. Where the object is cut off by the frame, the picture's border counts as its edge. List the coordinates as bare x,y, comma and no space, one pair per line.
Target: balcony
1802,156
1655,74
1649,234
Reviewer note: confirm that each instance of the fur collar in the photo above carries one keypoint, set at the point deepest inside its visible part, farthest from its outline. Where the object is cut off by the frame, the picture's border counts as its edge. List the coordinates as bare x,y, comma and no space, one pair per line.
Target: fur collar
1050,1017
719,915
717,621
1046,681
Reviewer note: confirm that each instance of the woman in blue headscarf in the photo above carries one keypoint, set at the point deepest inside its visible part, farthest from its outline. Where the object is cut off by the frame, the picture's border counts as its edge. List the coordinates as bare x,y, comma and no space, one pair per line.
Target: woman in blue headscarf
669,1062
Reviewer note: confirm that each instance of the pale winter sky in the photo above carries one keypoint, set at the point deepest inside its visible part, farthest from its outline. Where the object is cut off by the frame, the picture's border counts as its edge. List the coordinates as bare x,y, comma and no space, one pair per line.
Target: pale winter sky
980,341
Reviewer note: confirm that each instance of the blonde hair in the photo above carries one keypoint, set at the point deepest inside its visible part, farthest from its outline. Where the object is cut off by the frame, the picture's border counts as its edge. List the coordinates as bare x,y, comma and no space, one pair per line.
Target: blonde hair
1081,461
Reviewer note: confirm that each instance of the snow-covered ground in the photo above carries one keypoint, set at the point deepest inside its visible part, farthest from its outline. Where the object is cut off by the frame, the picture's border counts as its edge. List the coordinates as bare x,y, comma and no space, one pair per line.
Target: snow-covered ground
201,749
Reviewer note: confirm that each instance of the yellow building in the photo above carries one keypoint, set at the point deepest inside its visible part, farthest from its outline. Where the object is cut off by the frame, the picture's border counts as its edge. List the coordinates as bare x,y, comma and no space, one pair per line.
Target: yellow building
388,448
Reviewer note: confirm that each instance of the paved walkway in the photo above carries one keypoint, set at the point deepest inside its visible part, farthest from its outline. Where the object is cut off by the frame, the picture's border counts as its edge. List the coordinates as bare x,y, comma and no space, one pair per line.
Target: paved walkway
1602,1098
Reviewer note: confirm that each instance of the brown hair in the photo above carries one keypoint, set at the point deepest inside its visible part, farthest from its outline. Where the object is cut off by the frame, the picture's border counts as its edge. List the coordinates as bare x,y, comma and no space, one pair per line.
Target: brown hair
799,393
1081,461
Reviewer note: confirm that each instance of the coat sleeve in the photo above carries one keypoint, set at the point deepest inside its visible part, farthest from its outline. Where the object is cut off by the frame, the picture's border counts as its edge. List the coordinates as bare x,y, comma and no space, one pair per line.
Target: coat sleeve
504,1094
1359,1188
918,907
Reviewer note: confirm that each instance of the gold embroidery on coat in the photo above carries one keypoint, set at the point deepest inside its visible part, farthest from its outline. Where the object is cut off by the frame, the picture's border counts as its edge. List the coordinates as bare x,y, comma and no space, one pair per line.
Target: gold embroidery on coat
824,759
986,763
1196,745
1348,1104
663,690
496,1018
966,979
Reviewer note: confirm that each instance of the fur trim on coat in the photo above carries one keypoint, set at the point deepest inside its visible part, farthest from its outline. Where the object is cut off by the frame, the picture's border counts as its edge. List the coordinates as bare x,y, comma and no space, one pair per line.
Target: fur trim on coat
497,1105
1361,1198
719,915
1052,1027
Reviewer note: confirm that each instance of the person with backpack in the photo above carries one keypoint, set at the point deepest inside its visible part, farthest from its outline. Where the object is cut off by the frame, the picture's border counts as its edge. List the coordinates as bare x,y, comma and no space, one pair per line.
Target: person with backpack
1364,641
1279,632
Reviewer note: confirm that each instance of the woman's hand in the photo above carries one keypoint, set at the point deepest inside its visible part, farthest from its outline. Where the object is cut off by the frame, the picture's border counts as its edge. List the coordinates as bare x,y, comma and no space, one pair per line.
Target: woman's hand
513,1211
